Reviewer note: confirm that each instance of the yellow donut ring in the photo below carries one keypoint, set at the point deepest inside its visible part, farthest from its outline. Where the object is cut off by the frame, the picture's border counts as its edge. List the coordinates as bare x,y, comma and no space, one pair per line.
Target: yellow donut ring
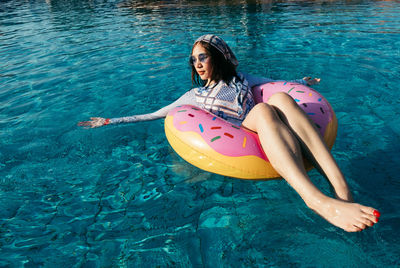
195,149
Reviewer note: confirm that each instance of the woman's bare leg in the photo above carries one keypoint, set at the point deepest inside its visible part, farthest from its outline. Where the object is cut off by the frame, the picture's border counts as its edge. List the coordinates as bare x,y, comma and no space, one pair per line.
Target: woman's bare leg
284,153
311,142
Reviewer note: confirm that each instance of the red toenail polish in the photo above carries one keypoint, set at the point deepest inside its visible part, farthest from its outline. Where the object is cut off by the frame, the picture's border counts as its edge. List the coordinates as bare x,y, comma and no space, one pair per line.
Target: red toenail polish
376,213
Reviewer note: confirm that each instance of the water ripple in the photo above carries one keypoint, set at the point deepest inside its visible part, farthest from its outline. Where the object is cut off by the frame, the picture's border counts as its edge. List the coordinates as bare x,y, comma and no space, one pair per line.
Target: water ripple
119,195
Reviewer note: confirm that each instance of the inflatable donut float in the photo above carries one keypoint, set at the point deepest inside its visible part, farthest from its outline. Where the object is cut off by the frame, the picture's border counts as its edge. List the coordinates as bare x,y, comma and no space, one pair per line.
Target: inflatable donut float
215,145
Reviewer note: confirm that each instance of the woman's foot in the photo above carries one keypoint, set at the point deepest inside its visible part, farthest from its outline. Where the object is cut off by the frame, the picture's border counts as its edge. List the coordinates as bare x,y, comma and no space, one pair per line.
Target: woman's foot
351,217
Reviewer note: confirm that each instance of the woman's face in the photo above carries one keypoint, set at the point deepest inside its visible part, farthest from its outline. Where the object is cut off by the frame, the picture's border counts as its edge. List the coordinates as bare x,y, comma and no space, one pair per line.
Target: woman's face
202,63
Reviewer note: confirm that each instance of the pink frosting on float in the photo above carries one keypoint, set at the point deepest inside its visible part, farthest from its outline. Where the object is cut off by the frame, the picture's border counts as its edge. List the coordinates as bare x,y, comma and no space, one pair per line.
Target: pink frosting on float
224,137
312,103
230,140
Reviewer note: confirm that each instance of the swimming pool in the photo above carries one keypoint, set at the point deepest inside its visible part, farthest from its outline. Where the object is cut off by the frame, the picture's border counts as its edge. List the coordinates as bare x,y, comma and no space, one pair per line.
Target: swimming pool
120,196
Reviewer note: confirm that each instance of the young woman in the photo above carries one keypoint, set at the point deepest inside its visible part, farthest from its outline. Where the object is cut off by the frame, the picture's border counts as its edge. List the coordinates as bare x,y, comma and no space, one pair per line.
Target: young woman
285,131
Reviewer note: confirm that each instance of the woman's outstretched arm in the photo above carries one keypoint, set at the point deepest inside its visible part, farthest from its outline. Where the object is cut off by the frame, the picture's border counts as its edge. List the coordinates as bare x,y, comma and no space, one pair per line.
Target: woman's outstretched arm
187,98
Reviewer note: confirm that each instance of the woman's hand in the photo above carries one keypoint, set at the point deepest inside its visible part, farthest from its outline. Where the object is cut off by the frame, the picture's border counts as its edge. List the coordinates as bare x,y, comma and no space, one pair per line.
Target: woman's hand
311,82
94,122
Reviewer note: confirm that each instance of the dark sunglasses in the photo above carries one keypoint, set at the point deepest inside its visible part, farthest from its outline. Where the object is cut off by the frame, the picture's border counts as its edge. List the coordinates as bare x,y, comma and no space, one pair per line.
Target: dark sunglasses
202,58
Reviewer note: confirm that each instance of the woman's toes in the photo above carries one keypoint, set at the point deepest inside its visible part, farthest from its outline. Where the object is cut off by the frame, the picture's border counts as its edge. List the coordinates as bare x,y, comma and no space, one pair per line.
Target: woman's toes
376,213
353,229
371,214
361,225
370,223
366,221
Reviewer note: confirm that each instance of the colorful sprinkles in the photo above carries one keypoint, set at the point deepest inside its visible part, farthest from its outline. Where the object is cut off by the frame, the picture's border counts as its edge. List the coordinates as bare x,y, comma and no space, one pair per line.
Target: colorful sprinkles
201,128
215,138
244,142
220,136
228,135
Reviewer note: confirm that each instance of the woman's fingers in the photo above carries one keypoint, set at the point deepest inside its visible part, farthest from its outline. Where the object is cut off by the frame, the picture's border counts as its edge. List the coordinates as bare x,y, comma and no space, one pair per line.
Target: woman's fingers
95,122
311,81
84,123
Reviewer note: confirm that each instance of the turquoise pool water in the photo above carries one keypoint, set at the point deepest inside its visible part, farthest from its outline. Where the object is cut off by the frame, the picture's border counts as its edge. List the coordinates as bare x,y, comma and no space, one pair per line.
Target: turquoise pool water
119,195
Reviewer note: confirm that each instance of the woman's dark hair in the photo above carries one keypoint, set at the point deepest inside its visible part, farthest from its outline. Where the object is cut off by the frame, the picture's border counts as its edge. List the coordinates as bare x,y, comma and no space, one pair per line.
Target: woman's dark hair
221,68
